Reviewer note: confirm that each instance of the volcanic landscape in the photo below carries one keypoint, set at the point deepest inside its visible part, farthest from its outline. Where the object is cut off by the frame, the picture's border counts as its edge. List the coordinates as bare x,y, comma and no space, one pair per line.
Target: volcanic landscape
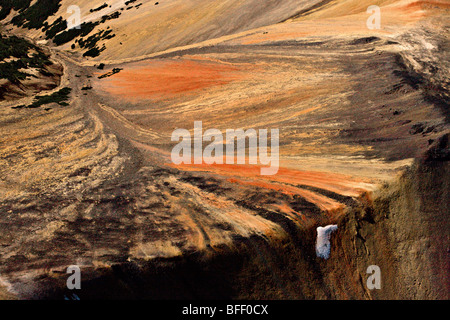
86,176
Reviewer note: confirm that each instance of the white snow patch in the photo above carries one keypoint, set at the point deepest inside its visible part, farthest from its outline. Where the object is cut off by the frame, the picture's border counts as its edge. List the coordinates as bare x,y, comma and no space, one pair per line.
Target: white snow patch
323,245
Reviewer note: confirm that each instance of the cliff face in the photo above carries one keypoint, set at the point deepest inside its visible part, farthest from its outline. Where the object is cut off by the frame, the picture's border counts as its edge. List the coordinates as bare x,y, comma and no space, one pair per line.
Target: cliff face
403,229
405,232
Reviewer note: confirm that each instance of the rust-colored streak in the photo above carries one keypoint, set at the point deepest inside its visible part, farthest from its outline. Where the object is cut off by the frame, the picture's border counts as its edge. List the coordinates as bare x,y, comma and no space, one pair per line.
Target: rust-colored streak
159,79
334,182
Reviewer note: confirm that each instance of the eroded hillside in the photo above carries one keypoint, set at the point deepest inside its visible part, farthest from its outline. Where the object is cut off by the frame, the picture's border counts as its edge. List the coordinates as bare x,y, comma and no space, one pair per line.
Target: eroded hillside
87,177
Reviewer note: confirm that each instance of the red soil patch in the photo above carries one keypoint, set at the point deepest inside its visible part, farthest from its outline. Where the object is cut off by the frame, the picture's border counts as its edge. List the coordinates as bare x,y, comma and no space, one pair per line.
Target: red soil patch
156,79
334,182
421,5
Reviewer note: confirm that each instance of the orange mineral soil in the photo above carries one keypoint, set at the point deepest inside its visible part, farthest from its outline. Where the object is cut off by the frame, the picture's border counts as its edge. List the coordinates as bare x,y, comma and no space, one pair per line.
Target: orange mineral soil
164,79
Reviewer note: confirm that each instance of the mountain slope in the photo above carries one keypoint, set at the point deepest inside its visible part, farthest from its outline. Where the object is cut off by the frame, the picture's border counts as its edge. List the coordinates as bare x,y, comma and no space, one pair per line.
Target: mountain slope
92,183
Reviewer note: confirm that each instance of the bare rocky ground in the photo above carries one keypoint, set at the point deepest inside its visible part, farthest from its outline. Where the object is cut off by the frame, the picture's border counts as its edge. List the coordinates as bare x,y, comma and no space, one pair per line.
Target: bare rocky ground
363,119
